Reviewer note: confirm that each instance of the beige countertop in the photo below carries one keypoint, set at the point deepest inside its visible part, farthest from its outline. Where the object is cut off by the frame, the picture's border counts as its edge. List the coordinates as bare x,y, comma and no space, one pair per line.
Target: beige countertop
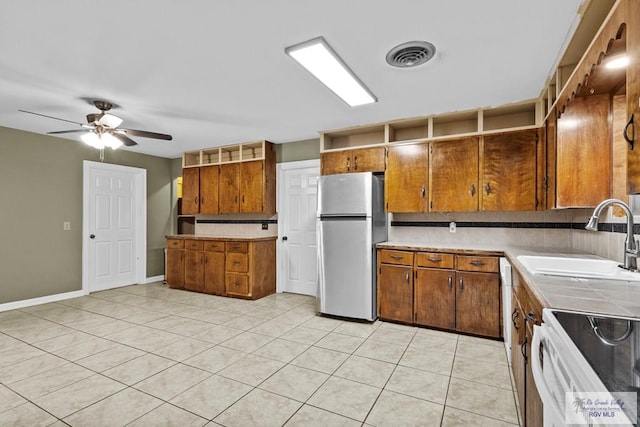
224,239
608,297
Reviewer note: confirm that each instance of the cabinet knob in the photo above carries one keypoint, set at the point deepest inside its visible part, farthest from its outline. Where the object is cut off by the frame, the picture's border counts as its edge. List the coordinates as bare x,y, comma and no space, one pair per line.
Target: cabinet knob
472,190
355,163
476,262
450,282
487,188
406,277
423,191
461,284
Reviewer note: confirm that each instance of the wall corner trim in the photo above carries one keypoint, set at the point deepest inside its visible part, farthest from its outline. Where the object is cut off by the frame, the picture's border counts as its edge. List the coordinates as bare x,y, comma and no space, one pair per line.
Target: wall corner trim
40,300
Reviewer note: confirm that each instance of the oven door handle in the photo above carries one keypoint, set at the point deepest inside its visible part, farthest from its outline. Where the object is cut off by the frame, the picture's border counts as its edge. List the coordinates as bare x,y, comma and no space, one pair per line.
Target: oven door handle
540,335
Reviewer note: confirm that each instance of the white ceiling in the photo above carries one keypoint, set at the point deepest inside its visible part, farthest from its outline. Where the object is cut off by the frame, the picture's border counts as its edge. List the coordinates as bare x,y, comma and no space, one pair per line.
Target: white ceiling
215,72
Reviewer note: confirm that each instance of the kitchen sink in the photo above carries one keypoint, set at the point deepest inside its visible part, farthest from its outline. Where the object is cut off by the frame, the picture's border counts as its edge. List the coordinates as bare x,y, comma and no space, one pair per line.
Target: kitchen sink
570,266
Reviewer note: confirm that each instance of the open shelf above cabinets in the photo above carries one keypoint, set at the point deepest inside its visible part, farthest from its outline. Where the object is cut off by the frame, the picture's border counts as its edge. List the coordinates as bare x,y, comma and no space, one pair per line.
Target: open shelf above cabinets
517,116
226,154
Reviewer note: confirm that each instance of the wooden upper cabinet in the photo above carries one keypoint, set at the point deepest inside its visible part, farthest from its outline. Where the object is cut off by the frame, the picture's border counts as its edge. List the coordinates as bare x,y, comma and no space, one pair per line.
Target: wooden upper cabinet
348,161
633,93
251,186
229,188
367,160
583,173
190,191
407,178
453,174
334,162
209,179
508,171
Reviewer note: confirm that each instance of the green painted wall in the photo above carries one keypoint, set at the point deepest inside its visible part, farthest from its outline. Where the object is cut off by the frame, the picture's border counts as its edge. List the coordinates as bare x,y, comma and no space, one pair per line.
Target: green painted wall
41,187
298,150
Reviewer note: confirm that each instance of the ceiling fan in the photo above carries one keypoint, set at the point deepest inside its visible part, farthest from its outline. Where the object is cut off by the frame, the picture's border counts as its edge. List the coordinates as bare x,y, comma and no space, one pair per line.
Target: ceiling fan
101,129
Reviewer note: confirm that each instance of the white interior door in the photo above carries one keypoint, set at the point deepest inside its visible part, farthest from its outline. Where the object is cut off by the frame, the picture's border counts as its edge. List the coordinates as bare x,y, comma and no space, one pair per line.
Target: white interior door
114,216
297,191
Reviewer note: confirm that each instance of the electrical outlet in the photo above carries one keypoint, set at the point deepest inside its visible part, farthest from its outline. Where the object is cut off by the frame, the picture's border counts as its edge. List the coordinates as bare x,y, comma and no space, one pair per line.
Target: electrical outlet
265,226
452,227
66,226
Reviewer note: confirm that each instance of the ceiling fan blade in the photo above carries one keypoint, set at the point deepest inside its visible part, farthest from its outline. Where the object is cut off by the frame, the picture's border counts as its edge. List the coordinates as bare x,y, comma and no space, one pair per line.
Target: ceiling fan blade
146,134
66,131
51,117
124,139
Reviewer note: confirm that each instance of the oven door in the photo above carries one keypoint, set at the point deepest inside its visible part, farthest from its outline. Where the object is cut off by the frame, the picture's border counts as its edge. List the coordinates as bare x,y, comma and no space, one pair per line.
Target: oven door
563,369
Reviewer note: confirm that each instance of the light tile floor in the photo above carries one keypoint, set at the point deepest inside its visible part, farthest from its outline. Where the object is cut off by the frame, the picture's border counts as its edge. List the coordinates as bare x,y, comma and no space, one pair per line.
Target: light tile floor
147,355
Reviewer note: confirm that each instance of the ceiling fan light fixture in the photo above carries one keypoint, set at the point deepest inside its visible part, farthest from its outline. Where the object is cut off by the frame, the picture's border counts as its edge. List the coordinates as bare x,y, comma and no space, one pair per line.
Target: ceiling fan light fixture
101,141
109,120
317,57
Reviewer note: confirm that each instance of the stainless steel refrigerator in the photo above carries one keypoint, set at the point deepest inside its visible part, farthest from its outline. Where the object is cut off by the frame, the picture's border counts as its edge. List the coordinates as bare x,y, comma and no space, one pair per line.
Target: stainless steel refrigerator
350,221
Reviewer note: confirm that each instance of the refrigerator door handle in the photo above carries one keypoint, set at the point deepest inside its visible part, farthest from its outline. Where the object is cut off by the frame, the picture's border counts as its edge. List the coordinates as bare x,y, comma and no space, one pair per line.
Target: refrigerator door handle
320,251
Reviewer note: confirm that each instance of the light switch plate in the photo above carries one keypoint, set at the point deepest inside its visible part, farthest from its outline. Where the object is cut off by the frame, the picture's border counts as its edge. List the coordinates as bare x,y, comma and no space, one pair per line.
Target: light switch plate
452,227
66,226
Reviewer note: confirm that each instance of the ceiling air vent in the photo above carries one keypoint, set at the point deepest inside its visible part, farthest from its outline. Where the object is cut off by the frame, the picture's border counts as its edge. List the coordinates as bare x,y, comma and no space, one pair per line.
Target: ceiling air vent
411,54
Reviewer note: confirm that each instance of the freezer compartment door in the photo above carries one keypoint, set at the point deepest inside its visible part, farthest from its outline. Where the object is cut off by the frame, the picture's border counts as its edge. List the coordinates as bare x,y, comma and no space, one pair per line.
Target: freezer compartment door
347,286
345,194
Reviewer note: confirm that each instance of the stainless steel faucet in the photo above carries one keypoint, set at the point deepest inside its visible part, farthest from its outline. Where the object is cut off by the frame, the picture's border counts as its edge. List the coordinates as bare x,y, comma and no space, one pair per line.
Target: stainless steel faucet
630,244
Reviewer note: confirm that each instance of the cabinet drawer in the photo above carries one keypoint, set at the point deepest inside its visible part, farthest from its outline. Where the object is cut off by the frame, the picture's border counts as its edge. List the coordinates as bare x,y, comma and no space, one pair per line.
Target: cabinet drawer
396,257
240,247
434,259
175,243
213,246
237,262
485,264
194,245
237,284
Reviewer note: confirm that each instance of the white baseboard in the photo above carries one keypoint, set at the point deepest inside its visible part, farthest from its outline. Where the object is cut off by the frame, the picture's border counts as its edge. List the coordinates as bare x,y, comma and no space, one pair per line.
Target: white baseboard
154,279
40,300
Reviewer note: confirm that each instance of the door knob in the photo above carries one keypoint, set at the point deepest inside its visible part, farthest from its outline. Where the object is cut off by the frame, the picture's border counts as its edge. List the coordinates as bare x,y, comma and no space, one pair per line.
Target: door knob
284,238
92,236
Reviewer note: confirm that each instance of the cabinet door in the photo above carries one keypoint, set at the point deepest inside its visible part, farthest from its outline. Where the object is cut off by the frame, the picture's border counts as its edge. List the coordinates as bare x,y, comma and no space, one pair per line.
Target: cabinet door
509,171
435,298
406,178
395,285
175,268
518,348
367,160
209,185
190,191
214,273
194,270
633,93
335,162
583,174
549,180
533,404
453,174
478,303
229,188
251,186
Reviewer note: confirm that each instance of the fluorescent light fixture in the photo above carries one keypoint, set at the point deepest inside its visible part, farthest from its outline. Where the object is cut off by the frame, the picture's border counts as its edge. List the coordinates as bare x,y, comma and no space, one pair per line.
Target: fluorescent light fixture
618,61
324,63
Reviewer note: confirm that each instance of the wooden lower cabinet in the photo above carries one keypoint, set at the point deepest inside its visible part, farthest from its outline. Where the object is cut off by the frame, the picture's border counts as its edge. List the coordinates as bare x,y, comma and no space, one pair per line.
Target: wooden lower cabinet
527,312
435,298
175,268
245,269
478,303
449,297
395,292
